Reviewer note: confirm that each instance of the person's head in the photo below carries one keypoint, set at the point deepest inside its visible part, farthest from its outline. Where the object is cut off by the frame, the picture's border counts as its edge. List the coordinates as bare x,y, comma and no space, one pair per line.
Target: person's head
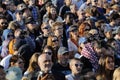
2,73
31,2
47,6
53,10
68,2
107,31
94,2
17,61
33,63
97,48
30,24
46,29
3,22
57,29
107,63
73,31
94,33
84,27
73,8
116,74
7,34
113,44
13,25
81,14
2,8
53,41
63,56
45,62
69,18
48,50
75,66
19,15
13,73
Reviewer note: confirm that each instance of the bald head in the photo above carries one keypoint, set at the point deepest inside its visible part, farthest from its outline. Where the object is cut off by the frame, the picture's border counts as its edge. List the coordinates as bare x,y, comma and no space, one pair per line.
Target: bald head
45,62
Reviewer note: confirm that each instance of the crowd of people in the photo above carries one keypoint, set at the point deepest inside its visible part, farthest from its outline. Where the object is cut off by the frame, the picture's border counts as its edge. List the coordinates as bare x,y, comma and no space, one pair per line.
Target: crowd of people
59,39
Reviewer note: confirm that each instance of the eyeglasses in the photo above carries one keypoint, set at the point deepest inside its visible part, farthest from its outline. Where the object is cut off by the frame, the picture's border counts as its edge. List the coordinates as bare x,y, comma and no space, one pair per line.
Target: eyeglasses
49,53
46,27
76,65
54,40
4,23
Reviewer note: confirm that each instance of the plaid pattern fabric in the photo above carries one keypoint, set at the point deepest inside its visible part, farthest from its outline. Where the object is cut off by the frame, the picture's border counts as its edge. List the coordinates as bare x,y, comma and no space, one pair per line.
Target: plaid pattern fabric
34,13
89,53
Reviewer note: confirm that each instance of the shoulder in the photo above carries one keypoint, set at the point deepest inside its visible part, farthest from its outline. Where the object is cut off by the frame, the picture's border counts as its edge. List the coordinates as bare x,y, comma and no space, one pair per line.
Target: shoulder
69,77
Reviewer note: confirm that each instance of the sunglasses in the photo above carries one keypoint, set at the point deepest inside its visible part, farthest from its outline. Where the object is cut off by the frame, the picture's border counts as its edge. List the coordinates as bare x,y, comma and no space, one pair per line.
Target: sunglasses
4,23
76,65
55,40
46,27
49,53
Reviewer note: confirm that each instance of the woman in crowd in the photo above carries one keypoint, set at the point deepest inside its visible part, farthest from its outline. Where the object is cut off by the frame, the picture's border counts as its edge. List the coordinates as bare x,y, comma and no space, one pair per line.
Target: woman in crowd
54,43
83,29
116,74
17,61
33,66
106,68
73,40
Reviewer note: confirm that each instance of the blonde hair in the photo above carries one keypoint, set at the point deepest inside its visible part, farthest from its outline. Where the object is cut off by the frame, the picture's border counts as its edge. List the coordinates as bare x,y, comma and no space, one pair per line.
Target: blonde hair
33,61
116,74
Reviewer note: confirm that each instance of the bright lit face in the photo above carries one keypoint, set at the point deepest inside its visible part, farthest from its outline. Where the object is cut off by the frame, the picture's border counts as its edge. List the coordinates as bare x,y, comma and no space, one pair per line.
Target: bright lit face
58,31
76,66
45,63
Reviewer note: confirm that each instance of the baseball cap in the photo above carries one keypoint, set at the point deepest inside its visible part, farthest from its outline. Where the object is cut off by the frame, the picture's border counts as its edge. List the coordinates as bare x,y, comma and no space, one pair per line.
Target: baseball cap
62,50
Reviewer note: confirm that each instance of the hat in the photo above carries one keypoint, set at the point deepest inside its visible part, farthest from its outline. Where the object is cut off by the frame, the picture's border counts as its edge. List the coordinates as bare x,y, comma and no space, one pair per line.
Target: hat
14,73
62,50
19,42
28,20
21,7
82,40
72,28
107,29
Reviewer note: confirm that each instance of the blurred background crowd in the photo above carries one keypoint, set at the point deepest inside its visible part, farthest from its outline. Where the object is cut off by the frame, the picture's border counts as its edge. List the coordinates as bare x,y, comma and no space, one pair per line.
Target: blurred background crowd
59,39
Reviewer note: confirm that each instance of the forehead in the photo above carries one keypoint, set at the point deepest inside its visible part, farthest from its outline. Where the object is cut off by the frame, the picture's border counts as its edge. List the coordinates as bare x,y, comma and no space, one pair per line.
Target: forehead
43,58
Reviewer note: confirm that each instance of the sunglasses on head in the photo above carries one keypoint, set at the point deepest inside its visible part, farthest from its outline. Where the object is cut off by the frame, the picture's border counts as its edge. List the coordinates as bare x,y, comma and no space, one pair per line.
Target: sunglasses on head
76,65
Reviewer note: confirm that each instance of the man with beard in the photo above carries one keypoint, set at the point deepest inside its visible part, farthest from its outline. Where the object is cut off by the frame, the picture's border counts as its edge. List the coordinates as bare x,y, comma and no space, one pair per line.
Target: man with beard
45,73
62,65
